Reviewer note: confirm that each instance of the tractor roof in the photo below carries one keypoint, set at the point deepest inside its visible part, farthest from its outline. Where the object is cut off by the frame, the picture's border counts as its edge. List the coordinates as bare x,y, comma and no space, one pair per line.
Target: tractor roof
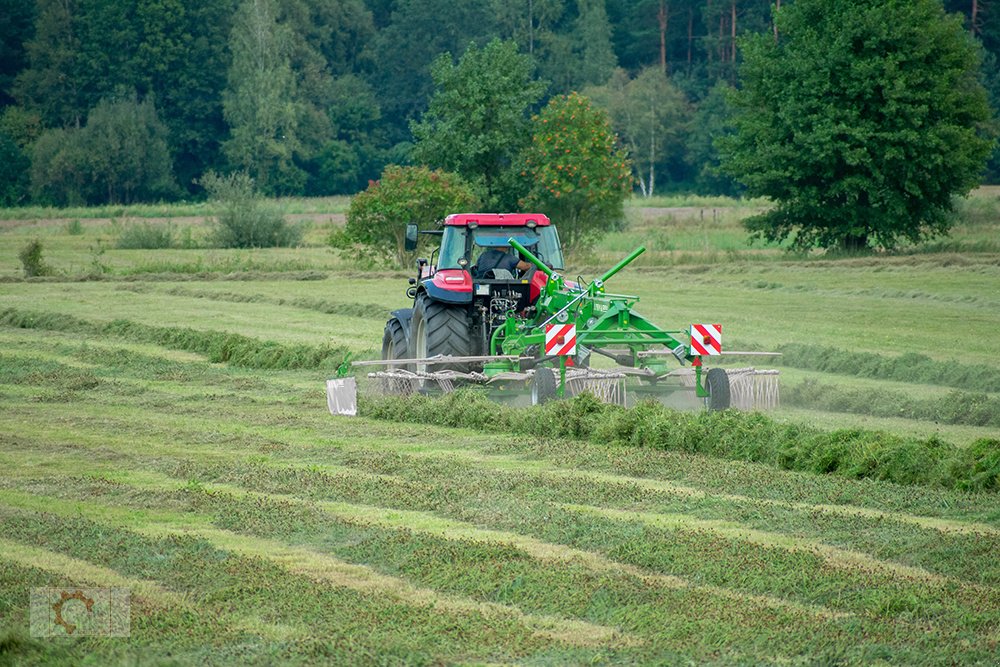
494,219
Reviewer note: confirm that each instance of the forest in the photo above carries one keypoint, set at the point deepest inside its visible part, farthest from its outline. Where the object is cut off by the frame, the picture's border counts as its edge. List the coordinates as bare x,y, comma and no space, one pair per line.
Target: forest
121,101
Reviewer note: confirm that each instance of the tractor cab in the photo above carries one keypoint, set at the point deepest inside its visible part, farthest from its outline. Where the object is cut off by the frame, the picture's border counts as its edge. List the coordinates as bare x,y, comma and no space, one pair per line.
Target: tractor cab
472,281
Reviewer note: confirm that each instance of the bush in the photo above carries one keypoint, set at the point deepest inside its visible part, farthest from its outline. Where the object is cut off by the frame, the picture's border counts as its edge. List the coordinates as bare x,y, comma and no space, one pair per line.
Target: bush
378,216
31,260
146,236
246,220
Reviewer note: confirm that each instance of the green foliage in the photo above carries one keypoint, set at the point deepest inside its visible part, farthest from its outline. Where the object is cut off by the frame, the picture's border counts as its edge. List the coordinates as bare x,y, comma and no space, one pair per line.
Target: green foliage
74,227
31,260
378,216
14,169
579,176
861,122
651,116
245,219
146,236
121,156
595,58
855,454
129,159
477,122
417,33
260,102
712,120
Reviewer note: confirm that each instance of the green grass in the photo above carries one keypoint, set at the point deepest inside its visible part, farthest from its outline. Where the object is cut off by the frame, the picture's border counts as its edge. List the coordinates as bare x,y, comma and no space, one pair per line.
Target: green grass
163,427
257,518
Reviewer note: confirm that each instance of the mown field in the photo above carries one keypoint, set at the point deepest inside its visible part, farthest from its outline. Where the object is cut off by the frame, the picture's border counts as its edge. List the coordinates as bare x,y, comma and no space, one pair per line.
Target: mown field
163,428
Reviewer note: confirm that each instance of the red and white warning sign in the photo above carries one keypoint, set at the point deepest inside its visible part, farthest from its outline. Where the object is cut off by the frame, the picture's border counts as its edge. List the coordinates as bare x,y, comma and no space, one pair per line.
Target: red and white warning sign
706,339
560,339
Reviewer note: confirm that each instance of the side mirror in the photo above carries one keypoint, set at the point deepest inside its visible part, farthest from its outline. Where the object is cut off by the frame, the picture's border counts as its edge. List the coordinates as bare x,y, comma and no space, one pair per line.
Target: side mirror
410,243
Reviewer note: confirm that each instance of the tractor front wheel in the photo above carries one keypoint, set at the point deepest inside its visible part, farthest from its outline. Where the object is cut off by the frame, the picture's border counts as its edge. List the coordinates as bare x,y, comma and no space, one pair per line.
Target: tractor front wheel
438,328
717,384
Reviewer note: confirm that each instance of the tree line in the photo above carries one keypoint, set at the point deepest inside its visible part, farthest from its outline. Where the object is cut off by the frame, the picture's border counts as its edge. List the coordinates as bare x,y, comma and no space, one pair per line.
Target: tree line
116,101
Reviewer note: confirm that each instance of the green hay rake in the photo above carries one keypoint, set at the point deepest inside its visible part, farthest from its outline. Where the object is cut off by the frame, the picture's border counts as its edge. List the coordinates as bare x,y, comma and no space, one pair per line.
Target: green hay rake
545,351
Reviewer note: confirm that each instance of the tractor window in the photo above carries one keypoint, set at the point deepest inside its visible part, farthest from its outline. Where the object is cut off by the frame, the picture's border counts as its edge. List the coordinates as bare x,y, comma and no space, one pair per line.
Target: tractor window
549,249
541,241
452,247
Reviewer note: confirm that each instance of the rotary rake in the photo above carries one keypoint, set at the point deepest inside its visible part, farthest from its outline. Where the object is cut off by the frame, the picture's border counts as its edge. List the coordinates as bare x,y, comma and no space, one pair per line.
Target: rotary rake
555,346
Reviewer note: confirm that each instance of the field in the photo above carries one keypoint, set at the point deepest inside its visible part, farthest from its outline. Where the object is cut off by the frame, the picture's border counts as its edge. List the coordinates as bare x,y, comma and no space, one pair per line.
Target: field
163,428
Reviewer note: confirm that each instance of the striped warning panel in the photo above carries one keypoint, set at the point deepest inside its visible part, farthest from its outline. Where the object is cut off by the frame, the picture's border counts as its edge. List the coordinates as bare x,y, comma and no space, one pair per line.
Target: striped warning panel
560,339
706,339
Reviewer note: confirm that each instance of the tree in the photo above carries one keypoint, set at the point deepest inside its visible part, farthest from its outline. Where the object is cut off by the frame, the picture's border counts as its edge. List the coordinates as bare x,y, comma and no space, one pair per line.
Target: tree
651,117
120,157
592,44
128,156
477,122
18,129
50,86
260,101
712,121
14,167
580,176
418,32
377,217
861,122
15,29
524,20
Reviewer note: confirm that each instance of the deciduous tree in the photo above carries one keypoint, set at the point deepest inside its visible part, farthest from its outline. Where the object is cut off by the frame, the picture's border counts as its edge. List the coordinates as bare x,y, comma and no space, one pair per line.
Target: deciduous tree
861,121
378,216
580,175
477,123
651,116
260,101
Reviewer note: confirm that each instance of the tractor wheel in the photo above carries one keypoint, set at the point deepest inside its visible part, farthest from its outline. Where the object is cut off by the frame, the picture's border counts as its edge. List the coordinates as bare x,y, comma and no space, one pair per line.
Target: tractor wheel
543,385
717,384
394,341
438,328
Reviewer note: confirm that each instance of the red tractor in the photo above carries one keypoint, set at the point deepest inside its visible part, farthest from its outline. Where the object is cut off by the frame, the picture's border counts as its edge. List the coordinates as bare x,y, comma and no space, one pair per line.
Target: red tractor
464,292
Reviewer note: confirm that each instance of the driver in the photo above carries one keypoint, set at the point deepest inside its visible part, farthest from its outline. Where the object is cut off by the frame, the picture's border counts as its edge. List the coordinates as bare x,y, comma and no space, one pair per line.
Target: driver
498,259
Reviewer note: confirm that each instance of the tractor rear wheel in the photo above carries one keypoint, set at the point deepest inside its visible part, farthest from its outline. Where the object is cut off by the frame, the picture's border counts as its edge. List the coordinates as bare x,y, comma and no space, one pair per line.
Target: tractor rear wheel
437,328
394,341
717,384
543,385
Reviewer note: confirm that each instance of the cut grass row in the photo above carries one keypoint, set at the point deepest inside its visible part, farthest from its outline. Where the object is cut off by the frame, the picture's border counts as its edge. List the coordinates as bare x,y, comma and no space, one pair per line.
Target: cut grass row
751,437
956,408
216,346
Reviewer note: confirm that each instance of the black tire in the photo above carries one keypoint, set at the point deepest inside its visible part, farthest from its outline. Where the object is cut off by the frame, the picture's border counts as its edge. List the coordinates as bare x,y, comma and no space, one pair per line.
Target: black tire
394,341
717,384
437,328
543,385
